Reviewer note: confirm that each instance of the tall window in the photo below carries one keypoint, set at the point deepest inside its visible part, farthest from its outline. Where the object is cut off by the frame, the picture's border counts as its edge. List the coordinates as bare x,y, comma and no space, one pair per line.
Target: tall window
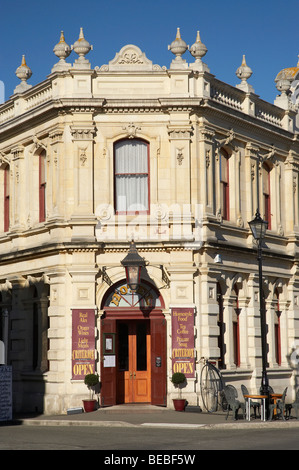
236,329
131,175
6,198
277,329
224,184
266,194
42,187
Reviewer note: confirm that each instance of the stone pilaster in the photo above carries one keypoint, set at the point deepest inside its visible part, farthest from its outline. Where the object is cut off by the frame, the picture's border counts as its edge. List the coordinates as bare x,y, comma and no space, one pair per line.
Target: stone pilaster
83,218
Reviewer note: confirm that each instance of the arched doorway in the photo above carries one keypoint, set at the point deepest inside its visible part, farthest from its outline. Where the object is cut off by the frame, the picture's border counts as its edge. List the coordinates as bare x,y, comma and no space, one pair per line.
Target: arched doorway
133,352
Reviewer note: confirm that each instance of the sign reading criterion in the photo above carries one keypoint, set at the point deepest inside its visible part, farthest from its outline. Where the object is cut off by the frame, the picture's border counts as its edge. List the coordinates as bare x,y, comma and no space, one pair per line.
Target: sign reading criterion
83,343
183,359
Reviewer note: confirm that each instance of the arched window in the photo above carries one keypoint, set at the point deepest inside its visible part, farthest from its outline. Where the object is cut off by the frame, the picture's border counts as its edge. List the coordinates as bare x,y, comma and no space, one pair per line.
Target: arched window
224,184
266,194
220,322
236,329
42,186
277,328
6,198
131,176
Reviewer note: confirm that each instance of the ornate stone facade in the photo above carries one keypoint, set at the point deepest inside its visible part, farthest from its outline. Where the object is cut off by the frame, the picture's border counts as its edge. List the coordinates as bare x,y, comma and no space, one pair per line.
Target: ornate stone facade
208,144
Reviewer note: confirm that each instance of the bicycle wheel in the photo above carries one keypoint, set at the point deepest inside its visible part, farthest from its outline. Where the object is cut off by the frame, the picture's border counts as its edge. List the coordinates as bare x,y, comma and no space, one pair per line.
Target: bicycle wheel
219,383
210,386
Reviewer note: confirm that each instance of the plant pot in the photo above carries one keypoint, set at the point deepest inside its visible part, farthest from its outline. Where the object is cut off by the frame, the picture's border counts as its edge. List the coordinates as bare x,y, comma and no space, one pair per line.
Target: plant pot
89,405
179,404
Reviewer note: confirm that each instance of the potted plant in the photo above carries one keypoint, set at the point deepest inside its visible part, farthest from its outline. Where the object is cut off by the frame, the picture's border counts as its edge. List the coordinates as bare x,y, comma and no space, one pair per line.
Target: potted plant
178,378
91,380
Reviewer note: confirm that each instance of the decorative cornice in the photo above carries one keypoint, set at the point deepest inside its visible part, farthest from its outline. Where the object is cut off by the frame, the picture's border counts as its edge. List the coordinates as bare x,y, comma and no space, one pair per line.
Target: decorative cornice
252,149
56,135
206,134
183,132
83,132
17,152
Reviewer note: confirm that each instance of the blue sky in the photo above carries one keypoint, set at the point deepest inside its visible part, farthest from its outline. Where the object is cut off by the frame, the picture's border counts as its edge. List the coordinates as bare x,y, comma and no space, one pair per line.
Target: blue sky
266,31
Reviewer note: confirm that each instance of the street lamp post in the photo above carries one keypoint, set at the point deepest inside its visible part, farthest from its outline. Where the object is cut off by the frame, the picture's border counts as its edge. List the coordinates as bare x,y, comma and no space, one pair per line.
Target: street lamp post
258,228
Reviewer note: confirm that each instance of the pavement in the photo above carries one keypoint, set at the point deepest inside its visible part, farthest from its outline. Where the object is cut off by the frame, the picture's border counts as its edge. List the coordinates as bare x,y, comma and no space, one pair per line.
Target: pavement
152,416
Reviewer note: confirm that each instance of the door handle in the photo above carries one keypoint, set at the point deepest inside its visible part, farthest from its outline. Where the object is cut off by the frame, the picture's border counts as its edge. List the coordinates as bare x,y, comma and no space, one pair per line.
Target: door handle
134,375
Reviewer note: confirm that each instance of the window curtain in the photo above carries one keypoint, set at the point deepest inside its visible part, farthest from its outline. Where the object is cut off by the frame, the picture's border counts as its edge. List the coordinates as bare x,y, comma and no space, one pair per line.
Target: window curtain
131,176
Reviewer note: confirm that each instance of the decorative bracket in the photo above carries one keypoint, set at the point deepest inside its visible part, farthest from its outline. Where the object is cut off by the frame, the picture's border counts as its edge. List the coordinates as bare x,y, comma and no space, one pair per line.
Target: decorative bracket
105,276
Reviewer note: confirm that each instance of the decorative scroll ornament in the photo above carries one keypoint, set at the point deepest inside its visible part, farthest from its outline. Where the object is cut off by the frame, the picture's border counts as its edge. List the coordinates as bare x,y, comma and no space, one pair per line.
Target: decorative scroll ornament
180,156
228,141
270,156
37,144
4,159
131,130
130,58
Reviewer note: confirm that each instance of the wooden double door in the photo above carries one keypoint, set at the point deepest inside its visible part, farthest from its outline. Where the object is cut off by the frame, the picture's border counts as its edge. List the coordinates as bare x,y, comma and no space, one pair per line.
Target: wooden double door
133,361
137,373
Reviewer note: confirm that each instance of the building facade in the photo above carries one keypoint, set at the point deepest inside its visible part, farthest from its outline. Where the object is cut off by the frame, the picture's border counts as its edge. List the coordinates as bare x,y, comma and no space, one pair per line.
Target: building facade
179,162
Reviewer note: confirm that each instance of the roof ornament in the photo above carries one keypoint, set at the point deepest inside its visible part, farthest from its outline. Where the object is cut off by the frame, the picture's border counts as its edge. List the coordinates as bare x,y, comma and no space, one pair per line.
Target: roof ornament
23,72
178,47
82,47
198,50
244,72
283,84
287,82
61,50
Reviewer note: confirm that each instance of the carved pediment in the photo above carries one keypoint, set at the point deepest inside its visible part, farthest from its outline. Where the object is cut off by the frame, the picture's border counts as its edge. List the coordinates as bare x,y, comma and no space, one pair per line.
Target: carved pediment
130,58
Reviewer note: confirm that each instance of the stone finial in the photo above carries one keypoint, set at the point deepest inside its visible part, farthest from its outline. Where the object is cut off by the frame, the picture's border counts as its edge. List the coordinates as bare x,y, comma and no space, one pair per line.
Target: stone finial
286,83
244,72
283,83
178,47
61,50
23,72
81,47
198,50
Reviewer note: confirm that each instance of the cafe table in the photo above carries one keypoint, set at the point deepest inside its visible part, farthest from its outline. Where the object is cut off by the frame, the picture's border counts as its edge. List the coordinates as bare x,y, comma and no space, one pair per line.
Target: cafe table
263,405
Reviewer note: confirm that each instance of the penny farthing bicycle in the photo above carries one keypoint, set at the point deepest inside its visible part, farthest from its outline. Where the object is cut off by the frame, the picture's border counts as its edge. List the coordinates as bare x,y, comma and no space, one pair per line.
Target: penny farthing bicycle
211,386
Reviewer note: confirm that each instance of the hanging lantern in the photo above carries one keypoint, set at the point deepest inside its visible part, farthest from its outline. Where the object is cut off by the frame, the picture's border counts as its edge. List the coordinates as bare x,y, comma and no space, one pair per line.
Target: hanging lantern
133,263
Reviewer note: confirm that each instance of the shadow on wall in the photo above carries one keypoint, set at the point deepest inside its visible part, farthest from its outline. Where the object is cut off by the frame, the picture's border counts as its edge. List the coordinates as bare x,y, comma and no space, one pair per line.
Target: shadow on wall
24,325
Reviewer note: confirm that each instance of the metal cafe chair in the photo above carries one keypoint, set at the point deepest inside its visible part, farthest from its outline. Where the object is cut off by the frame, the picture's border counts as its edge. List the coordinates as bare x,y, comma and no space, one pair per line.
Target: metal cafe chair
294,405
254,404
279,405
233,403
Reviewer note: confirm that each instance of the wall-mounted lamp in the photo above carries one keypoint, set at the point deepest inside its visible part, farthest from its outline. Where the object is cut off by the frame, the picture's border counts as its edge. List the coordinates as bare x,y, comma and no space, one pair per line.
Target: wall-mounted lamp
133,263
